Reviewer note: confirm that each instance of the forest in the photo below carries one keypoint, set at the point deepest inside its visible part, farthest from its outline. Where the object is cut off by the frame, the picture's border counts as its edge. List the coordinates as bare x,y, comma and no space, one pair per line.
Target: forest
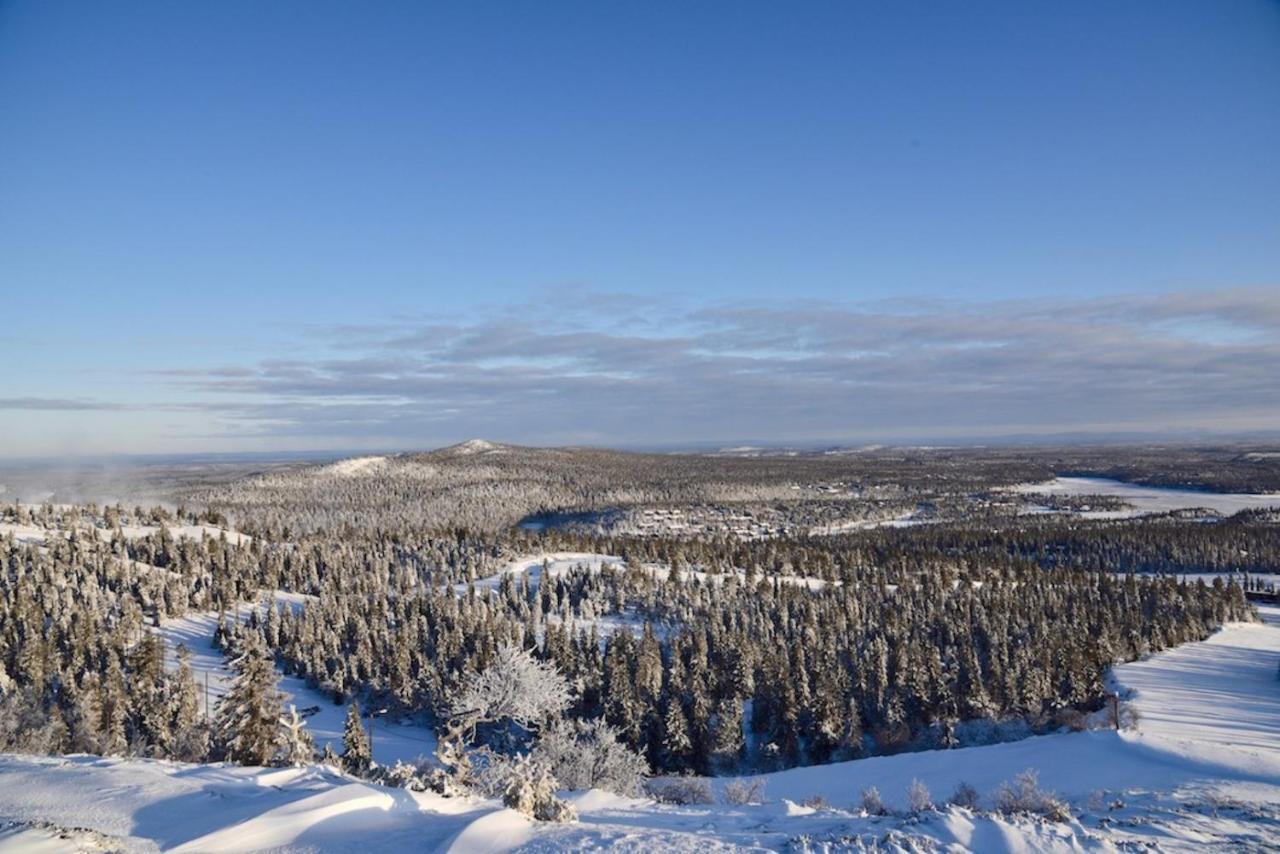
707,656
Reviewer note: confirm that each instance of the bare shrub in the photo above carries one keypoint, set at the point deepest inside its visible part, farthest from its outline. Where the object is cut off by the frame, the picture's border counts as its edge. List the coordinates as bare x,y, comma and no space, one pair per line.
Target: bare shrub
918,798
681,791
872,803
816,802
588,755
1072,719
965,796
1024,795
743,792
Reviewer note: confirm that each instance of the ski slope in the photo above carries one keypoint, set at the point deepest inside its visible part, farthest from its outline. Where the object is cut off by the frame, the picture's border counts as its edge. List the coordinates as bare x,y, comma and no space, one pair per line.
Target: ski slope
391,741
1201,771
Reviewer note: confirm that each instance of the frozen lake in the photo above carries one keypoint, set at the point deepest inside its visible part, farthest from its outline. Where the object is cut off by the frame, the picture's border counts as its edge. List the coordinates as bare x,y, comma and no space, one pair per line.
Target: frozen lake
1148,499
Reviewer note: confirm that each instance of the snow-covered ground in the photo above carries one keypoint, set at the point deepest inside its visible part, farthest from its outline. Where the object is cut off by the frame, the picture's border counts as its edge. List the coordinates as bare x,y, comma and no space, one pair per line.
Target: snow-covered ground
37,534
1200,772
559,563
356,466
1147,499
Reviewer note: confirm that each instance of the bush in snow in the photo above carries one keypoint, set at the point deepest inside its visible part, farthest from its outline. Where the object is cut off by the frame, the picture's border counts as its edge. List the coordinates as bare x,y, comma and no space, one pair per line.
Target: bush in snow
816,802
742,792
330,757
1024,795
403,775
680,791
588,755
918,798
965,796
531,790
872,803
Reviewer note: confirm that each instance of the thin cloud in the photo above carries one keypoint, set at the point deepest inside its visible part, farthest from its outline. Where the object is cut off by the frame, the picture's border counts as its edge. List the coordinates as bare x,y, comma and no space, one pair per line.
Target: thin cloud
57,404
781,371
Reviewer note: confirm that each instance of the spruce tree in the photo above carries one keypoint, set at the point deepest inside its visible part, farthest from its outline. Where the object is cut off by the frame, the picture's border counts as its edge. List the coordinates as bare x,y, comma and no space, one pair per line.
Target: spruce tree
356,752
247,726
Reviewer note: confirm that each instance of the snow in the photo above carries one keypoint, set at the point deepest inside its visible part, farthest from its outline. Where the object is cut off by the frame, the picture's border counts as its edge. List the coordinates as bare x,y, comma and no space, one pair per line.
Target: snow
498,831
1241,664
1201,771
559,563
23,533
1147,499
36,534
146,805
902,520
355,466
472,446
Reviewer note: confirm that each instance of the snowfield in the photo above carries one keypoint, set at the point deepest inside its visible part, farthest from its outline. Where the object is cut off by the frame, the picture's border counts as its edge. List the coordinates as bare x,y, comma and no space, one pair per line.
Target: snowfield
36,534
356,466
1147,499
1201,771
560,563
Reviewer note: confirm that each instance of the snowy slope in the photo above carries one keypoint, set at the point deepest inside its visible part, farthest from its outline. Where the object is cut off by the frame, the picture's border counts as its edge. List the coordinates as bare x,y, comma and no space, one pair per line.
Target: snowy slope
559,563
1200,772
391,741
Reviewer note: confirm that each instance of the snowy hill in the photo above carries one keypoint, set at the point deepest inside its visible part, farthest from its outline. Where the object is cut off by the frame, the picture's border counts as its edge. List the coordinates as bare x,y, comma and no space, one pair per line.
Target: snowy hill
1202,769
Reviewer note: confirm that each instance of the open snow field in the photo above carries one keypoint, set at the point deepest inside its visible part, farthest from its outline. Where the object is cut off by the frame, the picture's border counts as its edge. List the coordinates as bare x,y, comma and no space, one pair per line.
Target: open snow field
36,534
1200,772
1148,499
559,563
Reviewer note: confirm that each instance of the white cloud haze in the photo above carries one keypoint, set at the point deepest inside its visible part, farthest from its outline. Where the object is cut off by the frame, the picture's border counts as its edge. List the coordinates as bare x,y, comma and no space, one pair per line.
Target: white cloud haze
611,369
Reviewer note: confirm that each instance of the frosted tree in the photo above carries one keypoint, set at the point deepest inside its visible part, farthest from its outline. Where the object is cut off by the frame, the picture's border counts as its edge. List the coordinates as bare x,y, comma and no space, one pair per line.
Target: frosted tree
676,745
515,689
357,754
726,735
247,728
531,790
296,745
588,755
190,741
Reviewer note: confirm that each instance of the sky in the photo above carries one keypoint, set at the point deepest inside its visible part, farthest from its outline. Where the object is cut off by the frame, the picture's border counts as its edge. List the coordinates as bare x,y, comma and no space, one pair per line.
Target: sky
244,226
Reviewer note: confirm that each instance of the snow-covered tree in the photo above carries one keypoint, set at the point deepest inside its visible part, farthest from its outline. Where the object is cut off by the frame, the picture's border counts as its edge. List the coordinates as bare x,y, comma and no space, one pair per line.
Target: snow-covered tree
247,728
296,745
515,687
531,790
356,751
588,755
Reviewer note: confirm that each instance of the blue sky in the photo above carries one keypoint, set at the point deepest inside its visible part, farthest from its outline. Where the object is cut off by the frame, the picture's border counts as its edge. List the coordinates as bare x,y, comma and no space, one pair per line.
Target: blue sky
242,225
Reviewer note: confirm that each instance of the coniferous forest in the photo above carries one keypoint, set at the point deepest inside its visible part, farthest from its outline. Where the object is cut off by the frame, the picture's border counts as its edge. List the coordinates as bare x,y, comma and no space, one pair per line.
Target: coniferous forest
702,655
